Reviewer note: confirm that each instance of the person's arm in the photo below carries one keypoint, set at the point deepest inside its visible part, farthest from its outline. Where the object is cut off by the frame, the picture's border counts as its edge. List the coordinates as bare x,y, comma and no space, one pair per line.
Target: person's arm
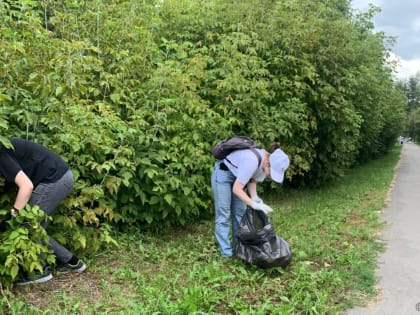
252,188
239,191
25,188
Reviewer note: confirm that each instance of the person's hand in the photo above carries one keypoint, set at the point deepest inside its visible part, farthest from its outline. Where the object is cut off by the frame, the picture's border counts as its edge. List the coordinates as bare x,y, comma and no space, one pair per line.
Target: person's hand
257,199
262,206
14,212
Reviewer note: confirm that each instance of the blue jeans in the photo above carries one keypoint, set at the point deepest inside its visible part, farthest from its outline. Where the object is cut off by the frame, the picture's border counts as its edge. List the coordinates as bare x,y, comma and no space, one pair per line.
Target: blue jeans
229,209
48,196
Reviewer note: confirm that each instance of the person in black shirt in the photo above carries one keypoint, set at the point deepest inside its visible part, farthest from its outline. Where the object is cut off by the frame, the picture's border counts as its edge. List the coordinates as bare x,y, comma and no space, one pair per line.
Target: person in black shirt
43,179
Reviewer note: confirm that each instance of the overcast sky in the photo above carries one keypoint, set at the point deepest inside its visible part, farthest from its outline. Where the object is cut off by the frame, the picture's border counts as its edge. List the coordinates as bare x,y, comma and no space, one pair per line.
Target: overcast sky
401,19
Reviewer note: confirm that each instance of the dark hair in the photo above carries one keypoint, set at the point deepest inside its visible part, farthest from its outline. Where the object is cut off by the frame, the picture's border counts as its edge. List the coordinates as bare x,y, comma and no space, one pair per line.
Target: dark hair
274,146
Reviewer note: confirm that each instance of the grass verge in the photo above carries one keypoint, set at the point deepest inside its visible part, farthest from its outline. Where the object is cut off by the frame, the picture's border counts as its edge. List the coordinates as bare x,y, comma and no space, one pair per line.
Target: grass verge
332,230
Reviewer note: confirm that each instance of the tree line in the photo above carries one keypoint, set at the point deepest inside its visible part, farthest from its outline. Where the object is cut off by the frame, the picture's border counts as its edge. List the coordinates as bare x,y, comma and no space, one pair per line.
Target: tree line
133,94
411,87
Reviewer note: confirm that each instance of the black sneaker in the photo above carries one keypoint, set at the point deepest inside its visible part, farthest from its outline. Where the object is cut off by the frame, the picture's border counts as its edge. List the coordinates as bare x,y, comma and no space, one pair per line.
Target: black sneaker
66,267
38,277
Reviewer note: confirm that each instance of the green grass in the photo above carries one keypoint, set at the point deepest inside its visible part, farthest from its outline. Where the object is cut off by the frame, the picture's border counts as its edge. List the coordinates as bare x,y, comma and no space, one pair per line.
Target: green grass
332,230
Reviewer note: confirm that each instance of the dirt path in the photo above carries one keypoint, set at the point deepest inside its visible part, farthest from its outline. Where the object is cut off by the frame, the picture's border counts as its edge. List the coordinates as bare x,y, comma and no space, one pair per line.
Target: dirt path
399,266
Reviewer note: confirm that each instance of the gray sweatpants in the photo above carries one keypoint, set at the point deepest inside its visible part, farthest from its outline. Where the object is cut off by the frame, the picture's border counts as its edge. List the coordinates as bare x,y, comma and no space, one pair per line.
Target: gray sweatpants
48,196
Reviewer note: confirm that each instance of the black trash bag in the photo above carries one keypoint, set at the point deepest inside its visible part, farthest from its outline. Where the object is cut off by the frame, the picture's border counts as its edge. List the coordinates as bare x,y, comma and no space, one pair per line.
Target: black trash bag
257,242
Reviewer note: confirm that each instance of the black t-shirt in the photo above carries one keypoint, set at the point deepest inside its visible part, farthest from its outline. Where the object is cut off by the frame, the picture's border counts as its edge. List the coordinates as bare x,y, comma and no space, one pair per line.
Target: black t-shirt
40,164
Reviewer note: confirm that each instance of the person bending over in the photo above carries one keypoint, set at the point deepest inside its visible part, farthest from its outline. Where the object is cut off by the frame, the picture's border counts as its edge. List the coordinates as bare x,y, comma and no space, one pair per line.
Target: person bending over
234,186
43,179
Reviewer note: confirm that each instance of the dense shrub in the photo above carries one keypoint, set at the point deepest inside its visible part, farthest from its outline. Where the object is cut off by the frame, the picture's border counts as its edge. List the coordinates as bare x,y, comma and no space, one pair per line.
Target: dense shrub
133,94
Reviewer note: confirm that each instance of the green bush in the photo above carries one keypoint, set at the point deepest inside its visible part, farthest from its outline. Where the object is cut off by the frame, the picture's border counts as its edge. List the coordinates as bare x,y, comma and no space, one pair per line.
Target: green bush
134,94
23,247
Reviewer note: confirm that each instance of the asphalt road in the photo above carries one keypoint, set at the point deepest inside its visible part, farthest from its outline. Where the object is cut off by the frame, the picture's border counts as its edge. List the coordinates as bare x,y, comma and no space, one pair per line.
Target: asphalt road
399,265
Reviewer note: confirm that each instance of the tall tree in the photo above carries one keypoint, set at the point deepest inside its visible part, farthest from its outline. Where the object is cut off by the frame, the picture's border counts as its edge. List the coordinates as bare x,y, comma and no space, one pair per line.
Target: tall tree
412,91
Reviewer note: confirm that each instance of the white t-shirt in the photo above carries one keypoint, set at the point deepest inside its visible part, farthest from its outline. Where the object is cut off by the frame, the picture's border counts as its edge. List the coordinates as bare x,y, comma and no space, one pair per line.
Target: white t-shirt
244,165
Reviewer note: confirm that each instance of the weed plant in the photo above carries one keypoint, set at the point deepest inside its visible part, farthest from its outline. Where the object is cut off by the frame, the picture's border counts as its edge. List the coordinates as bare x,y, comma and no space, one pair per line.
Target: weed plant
333,232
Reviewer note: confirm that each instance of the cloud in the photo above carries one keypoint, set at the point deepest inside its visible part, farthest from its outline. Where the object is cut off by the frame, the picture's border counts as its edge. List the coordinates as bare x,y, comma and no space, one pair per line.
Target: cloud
404,68
408,68
399,19
363,5
416,25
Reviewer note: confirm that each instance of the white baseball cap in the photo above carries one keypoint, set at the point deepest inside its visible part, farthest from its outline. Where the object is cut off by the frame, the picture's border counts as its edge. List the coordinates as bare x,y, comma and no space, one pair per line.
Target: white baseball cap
279,163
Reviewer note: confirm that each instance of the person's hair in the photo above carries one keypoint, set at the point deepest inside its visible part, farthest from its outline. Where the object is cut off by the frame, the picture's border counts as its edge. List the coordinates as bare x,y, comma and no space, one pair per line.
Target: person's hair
274,146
